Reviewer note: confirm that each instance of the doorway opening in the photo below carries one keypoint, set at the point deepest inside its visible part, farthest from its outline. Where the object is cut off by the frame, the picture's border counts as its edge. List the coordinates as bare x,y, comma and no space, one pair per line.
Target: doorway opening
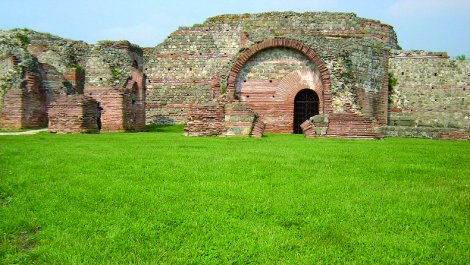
306,105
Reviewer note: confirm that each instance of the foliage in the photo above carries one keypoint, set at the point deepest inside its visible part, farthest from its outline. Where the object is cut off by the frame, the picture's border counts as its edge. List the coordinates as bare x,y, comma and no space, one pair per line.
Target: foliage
76,66
115,73
462,57
392,82
25,40
160,197
223,88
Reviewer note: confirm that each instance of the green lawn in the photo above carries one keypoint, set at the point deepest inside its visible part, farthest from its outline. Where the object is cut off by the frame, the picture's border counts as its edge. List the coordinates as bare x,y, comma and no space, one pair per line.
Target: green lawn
162,198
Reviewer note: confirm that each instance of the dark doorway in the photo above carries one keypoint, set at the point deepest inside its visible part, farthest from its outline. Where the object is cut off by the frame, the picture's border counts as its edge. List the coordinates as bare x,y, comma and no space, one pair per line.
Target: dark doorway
306,105
98,119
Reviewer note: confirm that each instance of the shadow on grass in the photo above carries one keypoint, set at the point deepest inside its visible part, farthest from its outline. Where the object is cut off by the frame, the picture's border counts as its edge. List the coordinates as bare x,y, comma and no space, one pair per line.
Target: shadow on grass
165,128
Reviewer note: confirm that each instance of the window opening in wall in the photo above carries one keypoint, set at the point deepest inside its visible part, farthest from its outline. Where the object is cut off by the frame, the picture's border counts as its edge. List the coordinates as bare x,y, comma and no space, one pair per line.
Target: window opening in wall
306,105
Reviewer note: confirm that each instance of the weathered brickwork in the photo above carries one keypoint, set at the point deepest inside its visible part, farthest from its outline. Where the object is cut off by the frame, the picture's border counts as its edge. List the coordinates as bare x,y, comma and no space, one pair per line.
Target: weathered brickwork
73,114
349,53
205,120
24,107
240,75
38,68
239,120
431,94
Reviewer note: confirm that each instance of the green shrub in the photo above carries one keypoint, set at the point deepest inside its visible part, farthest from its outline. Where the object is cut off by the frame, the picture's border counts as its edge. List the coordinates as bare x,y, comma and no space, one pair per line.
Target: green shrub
25,40
392,82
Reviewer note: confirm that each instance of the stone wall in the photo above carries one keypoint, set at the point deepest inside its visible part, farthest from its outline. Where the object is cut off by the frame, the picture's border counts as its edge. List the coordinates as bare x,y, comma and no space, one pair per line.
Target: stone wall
353,49
205,120
45,67
239,120
223,119
431,91
114,78
202,74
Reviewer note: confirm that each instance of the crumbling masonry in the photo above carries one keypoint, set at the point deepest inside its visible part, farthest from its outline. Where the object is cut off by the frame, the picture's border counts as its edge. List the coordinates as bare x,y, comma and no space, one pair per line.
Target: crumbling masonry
324,74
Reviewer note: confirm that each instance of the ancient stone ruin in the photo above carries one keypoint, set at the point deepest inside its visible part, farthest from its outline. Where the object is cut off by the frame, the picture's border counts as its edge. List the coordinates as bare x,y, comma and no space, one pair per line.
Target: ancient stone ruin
318,73
70,86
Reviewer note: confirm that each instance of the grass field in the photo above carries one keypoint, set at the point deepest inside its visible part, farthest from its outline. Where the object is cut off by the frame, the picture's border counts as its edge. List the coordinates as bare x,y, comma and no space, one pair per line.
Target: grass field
162,198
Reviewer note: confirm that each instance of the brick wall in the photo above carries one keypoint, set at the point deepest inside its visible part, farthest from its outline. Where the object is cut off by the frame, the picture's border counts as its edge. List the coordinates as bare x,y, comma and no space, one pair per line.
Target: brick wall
24,107
432,91
73,114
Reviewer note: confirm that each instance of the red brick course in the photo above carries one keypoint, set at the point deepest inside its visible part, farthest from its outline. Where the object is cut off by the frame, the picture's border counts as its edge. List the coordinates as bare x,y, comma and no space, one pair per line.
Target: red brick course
73,114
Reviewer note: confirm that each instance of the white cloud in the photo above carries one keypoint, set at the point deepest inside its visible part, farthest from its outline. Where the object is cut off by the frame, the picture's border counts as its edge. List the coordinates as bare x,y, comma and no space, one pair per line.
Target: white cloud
410,7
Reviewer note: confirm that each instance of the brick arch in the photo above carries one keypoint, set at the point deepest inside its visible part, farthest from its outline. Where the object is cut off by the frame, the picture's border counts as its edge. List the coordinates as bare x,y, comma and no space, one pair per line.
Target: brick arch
284,43
298,80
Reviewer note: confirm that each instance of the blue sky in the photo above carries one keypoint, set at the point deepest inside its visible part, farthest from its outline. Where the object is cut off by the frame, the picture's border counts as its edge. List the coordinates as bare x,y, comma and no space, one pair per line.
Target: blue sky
434,25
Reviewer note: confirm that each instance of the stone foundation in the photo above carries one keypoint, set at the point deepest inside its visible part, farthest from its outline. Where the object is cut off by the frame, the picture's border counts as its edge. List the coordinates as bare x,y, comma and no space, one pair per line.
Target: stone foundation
425,132
223,119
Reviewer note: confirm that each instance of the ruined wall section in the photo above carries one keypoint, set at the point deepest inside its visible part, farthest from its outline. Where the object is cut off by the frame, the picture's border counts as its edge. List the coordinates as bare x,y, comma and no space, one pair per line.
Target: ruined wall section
61,63
429,91
42,66
180,71
58,61
22,99
115,79
181,68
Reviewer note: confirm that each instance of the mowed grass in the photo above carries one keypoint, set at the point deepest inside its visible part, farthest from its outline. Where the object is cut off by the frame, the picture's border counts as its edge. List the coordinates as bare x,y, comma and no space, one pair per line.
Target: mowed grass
162,198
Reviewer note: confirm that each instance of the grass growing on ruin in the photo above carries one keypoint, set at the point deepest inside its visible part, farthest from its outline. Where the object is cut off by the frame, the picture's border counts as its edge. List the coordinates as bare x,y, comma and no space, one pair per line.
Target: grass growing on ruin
159,197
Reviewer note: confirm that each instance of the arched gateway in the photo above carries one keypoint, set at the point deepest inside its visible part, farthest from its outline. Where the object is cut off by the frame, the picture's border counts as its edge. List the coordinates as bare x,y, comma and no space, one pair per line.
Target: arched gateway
268,76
